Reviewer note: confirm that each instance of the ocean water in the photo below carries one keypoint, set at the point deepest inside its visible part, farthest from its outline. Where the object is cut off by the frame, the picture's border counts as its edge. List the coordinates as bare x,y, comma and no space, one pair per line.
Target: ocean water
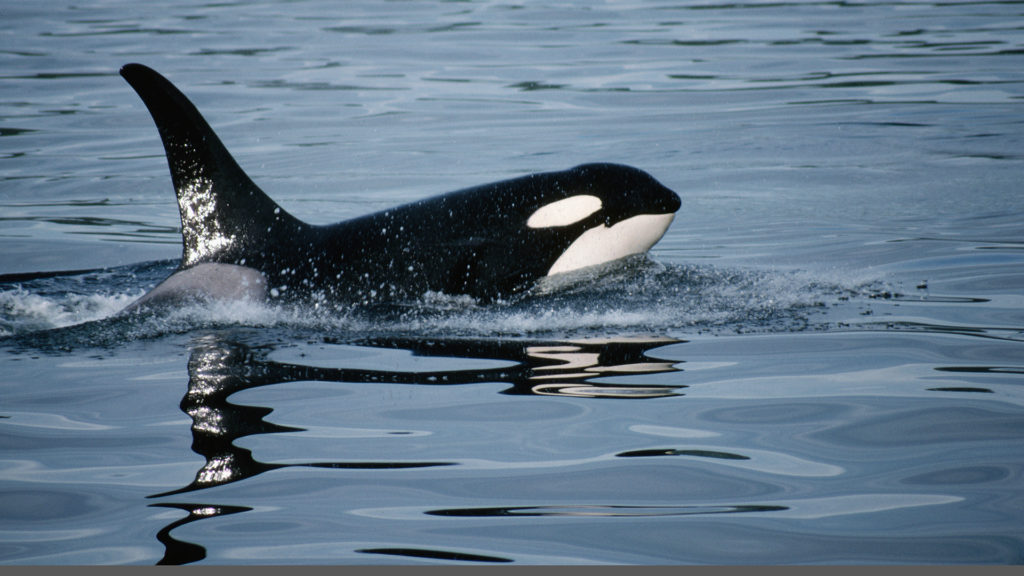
822,362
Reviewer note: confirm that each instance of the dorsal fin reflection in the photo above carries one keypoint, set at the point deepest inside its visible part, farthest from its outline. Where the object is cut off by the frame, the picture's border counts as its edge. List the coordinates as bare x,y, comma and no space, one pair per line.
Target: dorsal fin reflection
219,368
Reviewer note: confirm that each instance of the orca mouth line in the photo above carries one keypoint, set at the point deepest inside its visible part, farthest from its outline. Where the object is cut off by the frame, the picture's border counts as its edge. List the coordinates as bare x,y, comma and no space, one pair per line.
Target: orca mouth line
488,242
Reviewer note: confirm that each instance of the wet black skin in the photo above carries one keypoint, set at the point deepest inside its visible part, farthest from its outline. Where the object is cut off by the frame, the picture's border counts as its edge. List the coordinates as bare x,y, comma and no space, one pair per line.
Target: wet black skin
473,241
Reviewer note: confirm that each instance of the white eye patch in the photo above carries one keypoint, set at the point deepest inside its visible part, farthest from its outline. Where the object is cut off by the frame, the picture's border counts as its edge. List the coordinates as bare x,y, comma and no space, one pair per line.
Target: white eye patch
564,212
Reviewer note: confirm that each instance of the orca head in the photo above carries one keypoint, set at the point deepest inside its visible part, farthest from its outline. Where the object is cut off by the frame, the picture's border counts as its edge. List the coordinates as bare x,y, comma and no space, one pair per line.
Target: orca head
606,212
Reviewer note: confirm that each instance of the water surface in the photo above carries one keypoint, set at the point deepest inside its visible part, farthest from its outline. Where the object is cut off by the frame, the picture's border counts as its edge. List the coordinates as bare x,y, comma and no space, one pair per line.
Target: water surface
820,363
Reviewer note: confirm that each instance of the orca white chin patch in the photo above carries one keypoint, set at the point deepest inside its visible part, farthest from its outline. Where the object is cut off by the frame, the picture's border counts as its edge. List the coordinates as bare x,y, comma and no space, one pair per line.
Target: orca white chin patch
565,211
603,244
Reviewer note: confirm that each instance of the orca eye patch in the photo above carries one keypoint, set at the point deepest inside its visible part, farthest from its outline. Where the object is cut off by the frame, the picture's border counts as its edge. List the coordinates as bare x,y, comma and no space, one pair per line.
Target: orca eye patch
564,212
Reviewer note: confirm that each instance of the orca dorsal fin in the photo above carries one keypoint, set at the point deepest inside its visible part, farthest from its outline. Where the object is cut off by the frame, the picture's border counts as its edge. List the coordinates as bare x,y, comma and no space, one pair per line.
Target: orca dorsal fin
224,215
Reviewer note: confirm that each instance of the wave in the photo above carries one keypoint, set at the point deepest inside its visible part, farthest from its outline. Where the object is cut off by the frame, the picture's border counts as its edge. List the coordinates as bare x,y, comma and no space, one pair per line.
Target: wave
635,296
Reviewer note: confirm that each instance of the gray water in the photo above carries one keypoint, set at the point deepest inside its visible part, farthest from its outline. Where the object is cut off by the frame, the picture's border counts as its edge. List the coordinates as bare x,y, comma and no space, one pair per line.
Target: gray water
821,363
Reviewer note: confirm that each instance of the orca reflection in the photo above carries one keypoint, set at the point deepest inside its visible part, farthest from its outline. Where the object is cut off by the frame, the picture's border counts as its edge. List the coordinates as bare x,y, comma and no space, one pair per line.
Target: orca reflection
219,368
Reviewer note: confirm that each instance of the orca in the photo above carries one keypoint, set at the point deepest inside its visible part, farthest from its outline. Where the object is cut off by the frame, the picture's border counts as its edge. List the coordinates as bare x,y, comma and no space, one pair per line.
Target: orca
489,242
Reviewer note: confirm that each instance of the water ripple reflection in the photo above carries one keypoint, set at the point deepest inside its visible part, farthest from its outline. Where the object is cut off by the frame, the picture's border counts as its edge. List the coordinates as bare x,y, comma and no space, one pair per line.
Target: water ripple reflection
606,511
220,368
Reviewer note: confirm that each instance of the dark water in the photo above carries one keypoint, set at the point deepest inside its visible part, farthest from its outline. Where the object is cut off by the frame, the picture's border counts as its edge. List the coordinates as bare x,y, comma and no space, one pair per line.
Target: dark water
822,362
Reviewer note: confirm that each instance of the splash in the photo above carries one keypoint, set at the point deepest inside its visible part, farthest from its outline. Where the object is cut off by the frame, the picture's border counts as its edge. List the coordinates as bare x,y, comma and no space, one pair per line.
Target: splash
22,311
637,296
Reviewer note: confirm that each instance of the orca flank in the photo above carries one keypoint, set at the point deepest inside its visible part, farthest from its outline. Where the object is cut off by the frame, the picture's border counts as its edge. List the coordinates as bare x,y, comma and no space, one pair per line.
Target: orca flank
488,242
